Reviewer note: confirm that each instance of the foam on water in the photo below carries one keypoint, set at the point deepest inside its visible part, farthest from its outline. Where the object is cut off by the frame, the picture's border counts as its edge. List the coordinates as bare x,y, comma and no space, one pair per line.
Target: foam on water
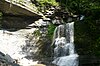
64,51
11,43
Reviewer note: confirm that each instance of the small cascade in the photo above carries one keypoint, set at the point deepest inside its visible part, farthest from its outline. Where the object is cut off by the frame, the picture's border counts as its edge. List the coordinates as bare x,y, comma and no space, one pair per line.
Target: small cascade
64,52
16,45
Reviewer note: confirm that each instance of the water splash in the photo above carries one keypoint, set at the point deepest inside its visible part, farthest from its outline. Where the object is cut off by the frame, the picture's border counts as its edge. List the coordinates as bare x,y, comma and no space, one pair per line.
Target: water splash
64,53
11,43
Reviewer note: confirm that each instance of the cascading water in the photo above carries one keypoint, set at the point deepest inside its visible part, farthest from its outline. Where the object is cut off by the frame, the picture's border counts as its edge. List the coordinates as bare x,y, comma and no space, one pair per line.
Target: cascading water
16,45
64,53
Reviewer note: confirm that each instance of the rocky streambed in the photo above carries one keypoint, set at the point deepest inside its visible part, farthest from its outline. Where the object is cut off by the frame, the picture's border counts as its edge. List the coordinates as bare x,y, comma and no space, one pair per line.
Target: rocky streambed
14,45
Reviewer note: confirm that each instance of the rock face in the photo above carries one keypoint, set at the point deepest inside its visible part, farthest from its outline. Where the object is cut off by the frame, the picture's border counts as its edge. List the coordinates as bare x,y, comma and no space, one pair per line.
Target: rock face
17,8
16,22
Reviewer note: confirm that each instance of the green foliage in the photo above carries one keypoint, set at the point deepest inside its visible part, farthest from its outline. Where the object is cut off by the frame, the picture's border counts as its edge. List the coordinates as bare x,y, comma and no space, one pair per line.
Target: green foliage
37,33
87,36
1,14
44,2
81,6
87,31
51,29
44,5
21,1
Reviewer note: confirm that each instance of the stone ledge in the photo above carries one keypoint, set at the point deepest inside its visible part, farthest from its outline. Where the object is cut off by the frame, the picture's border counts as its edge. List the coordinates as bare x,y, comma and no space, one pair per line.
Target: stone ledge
17,9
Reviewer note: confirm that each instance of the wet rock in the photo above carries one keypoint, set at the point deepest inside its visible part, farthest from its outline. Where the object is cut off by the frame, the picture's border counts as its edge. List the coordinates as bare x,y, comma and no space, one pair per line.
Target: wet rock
16,22
6,60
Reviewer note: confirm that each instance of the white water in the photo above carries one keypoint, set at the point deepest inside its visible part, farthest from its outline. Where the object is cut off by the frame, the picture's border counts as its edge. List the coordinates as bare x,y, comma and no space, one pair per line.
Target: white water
64,53
11,43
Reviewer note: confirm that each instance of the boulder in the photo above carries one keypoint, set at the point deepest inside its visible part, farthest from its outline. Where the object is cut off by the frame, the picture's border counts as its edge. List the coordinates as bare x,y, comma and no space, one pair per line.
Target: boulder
5,59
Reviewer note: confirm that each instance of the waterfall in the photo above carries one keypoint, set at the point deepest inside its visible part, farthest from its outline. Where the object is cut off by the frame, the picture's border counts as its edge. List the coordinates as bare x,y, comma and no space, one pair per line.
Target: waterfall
64,52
